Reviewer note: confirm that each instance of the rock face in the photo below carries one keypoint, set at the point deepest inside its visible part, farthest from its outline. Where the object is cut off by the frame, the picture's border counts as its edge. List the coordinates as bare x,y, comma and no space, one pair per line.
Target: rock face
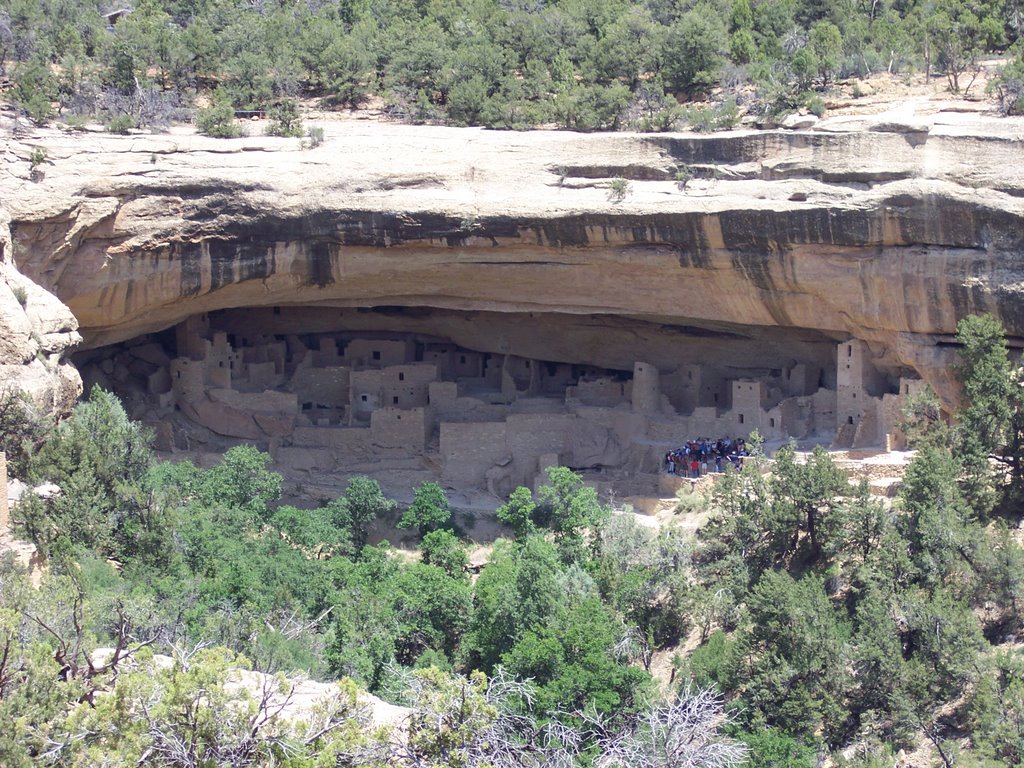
886,230
36,333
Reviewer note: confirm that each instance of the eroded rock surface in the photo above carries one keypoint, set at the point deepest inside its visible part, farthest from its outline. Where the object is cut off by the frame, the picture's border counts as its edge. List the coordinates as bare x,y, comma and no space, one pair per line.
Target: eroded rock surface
37,332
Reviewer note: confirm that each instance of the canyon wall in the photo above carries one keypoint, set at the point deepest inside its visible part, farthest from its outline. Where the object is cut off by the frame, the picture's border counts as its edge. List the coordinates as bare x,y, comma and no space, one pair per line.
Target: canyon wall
881,229
36,334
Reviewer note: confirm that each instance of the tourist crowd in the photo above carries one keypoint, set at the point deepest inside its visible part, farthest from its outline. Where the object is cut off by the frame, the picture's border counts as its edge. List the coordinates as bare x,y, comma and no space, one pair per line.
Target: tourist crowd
703,455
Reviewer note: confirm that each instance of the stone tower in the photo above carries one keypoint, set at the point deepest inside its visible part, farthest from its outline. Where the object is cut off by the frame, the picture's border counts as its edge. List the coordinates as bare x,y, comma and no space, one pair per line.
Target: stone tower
646,388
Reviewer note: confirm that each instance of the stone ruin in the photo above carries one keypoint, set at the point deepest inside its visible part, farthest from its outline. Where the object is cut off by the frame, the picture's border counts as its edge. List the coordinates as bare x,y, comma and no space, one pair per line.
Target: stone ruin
357,401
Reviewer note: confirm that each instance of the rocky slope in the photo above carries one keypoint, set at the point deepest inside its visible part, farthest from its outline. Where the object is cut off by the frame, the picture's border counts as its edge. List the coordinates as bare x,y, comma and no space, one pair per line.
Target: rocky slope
887,229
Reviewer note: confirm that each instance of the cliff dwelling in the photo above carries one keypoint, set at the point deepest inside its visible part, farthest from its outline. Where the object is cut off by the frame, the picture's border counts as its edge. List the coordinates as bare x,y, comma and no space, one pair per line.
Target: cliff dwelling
471,307
486,401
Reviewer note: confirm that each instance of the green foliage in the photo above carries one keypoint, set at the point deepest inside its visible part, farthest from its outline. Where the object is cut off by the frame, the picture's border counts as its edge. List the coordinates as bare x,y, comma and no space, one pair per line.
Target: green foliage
443,549
387,613
344,70
714,662
619,189
35,159
991,419
121,124
798,676
959,37
938,517
517,512
922,419
218,120
498,64
444,740
100,458
804,501
35,88
770,748
313,529
694,51
581,107
683,177
826,43
996,710
362,504
1008,85
722,117
816,105
429,510
242,482
571,661
189,712
518,590
571,510
22,430
643,575
285,119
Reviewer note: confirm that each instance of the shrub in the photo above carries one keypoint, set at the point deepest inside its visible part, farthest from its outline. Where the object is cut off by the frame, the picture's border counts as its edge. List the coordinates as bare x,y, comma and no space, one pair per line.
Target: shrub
690,502
815,105
21,295
591,107
218,120
35,159
285,119
121,124
35,89
661,121
315,136
429,510
683,177
1009,84
722,117
618,189
22,427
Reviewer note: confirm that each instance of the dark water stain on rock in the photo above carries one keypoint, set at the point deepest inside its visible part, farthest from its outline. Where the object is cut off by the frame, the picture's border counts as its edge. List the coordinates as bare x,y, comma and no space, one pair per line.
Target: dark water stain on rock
191,257
321,264
239,262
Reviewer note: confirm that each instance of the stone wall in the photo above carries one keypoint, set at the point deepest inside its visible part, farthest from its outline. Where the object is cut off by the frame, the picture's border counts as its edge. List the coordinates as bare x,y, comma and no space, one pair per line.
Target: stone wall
407,428
327,387
469,450
529,436
377,353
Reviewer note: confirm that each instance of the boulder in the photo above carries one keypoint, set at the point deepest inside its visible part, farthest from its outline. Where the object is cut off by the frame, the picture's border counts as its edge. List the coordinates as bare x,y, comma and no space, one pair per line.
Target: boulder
798,122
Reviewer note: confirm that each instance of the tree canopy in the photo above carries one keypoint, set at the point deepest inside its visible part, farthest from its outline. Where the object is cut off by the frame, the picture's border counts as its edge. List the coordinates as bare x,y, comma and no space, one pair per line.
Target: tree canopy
477,62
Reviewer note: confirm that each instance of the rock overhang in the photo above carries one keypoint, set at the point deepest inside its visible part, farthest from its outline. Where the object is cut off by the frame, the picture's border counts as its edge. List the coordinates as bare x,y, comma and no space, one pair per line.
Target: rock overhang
884,236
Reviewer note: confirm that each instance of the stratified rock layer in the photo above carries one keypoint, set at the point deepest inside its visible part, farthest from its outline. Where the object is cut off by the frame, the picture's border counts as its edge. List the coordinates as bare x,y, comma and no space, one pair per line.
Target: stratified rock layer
882,230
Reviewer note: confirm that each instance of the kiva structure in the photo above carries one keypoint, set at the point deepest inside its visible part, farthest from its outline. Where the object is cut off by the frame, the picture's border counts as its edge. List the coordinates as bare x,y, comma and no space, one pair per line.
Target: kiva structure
334,401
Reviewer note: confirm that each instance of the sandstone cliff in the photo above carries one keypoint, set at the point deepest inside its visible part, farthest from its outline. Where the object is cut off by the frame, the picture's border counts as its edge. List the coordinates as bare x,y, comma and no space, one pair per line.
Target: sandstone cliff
36,333
886,229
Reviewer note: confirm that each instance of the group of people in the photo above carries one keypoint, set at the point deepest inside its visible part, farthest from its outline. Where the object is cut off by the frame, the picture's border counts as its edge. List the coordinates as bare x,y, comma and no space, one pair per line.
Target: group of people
698,457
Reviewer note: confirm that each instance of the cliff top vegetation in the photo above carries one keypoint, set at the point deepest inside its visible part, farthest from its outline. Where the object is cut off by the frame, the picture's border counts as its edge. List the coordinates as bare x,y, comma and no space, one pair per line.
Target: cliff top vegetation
582,65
